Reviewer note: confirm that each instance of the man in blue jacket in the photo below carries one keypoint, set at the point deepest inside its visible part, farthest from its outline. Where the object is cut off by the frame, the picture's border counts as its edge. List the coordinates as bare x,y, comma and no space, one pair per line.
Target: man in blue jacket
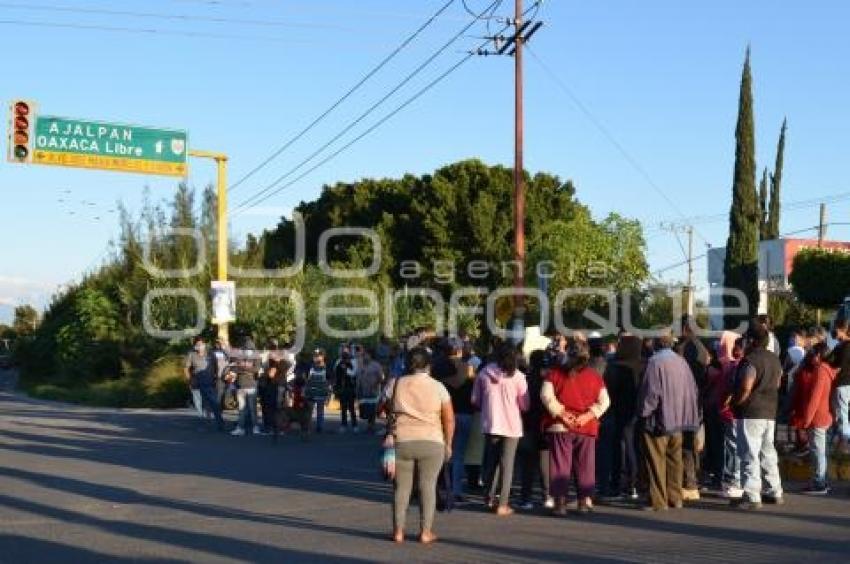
667,407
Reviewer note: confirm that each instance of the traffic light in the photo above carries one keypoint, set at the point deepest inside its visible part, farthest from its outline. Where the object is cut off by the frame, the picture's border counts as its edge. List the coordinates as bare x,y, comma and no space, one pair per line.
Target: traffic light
21,128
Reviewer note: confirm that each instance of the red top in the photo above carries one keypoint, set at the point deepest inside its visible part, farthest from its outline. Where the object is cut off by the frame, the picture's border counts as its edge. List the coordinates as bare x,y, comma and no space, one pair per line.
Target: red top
810,406
576,391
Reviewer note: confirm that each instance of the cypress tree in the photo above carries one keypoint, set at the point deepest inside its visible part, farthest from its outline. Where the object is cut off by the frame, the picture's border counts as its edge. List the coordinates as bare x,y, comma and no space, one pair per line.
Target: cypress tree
776,184
764,234
741,268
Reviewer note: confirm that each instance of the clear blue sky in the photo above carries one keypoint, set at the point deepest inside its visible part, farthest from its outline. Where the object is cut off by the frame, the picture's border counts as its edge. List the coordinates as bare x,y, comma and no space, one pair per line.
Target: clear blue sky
660,78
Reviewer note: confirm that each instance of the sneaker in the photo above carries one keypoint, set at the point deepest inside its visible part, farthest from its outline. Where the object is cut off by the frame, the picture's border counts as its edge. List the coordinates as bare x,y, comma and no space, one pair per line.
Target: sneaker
816,489
237,432
526,506
632,494
259,430
732,492
549,503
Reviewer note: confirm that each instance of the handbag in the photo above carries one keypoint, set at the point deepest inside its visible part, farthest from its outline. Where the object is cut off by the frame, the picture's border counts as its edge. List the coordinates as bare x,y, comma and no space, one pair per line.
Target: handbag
388,445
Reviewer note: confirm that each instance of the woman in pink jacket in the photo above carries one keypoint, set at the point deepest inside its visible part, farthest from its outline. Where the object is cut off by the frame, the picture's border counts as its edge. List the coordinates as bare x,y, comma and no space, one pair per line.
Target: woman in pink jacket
501,393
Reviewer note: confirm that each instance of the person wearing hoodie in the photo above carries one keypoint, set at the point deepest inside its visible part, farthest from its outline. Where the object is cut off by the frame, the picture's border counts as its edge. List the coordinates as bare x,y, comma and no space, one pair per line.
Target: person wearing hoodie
714,405
810,411
501,393
575,398
668,407
720,397
623,376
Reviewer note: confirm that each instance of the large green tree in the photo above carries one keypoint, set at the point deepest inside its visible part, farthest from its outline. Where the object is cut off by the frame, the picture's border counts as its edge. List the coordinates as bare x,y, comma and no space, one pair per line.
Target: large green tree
741,267
820,277
764,220
772,231
460,214
26,320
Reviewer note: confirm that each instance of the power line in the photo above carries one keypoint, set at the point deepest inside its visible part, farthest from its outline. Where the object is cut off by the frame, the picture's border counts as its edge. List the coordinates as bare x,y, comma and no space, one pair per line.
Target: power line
248,202
610,137
150,31
171,17
487,14
362,135
703,255
785,206
344,97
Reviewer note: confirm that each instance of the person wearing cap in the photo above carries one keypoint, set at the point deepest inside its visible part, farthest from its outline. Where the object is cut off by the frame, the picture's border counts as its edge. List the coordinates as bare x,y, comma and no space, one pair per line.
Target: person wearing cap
317,388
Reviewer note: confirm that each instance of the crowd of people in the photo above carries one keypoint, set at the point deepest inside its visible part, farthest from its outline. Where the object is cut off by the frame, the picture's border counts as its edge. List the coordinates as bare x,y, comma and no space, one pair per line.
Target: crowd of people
654,421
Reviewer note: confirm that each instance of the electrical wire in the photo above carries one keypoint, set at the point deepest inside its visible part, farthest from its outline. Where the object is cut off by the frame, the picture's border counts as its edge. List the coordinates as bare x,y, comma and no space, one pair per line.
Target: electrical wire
487,14
249,202
258,197
609,136
171,17
151,31
703,255
375,126
344,97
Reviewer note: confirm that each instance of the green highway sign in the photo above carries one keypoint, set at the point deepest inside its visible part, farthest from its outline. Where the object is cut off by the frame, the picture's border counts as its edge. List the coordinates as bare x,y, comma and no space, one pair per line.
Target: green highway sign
62,141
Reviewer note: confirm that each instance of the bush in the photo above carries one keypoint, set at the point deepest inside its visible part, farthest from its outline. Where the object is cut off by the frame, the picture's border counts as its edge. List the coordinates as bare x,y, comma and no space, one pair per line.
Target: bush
162,386
165,385
53,393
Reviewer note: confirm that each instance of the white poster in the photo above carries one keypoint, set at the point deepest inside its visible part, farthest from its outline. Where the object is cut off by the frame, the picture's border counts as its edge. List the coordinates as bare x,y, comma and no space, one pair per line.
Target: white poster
223,302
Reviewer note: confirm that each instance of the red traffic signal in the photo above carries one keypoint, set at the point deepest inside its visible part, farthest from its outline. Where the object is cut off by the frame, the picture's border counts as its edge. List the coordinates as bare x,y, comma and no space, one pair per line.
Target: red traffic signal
20,134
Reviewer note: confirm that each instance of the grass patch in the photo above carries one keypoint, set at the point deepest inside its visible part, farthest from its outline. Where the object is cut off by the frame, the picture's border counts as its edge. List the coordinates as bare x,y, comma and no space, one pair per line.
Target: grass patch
160,386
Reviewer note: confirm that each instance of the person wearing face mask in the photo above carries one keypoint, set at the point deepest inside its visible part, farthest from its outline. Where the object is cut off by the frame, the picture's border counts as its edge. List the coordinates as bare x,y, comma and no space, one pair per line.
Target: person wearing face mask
201,371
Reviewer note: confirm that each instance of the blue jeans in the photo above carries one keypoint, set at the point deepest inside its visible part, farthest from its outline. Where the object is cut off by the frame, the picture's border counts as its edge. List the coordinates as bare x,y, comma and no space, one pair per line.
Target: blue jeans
210,402
320,414
817,439
247,400
840,406
731,461
463,425
758,456
197,401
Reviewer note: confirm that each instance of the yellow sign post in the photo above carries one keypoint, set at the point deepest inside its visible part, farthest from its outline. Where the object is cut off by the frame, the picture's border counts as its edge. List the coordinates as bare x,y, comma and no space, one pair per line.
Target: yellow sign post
221,190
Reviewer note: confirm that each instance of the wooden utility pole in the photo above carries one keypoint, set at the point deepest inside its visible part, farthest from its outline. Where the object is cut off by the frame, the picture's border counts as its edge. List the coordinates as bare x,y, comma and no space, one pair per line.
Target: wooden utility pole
821,237
519,187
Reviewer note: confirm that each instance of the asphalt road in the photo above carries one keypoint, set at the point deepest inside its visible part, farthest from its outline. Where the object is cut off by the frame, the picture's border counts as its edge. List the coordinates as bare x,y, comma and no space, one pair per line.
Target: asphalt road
91,485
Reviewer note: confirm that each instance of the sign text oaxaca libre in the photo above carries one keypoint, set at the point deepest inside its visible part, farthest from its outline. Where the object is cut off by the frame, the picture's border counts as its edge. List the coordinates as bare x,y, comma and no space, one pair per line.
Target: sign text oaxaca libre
72,142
